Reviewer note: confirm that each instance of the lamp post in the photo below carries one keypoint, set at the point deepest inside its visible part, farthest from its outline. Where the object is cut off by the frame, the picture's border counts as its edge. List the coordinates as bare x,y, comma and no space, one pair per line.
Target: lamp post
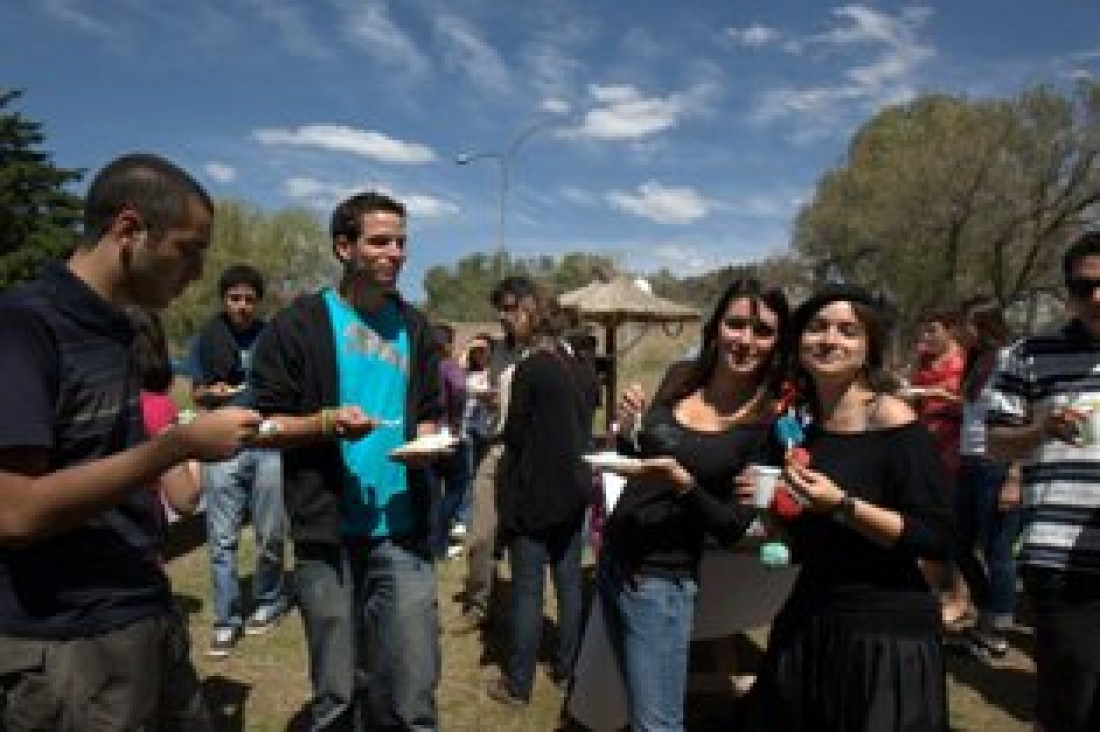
504,161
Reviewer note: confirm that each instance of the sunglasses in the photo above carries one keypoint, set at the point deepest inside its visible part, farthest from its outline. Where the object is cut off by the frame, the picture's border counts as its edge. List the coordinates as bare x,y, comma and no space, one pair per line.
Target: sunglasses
381,240
760,329
1082,287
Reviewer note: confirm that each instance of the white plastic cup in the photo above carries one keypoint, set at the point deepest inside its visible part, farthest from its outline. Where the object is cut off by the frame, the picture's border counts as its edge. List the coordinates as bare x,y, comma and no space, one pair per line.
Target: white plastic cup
764,478
1090,428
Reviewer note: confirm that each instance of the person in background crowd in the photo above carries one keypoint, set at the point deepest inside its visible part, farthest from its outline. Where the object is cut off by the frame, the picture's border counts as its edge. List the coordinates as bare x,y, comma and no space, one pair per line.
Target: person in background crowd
347,376
455,470
88,627
713,422
180,488
936,393
987,495
481,541
856,646
543,492
1044,401
250,481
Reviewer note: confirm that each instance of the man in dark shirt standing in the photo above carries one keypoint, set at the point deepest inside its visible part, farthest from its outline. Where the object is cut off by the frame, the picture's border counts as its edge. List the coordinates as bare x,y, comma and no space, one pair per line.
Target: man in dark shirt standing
88,636
250,480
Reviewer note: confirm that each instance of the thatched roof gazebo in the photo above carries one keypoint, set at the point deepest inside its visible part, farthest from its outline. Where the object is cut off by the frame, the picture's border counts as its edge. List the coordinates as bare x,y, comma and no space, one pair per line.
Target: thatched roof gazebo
616,302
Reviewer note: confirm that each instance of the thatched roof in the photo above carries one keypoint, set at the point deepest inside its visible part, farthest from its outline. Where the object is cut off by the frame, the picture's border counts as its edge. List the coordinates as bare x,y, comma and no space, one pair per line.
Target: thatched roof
622,301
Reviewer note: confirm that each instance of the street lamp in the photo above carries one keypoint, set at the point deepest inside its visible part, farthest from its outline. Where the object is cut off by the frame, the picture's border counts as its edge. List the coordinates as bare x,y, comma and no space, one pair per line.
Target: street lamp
504,161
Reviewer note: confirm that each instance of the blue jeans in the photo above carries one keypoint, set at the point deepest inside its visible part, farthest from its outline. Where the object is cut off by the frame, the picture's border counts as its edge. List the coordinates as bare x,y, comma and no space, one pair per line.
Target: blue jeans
399,610
649,621
324,586
456,474
372,629
250,481
983,525
529,556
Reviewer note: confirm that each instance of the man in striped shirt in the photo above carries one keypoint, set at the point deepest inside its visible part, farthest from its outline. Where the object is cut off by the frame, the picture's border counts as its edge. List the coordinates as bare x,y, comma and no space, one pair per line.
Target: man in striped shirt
1046,399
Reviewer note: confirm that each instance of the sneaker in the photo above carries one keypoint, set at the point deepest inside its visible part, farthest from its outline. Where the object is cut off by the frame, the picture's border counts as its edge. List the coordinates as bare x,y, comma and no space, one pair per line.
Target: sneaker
469,621
499,692
454,551
223,641
995,644
262,621
458,530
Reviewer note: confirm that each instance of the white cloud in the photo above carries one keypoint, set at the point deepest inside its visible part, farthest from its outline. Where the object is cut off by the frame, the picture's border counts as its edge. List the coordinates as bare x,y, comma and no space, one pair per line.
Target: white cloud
464,50
220,172
887,77
339,138
68,12
664,205
294,29
324,195
622,112
682,258
372,30
755,35
554,106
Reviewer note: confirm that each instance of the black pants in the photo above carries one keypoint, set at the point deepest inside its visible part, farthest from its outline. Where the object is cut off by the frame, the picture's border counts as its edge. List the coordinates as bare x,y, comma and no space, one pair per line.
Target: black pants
1067,649
138,677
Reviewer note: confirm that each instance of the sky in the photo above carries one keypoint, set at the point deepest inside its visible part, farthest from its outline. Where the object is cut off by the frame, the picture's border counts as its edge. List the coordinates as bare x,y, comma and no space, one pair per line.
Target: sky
681,135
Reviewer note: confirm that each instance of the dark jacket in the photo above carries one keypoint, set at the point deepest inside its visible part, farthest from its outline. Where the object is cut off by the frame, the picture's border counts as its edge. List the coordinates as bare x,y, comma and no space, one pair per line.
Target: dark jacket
217,353
294,372
545,484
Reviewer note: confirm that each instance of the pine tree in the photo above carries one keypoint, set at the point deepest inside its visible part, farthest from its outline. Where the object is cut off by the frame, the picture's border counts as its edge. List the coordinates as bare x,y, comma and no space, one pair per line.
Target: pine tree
39,219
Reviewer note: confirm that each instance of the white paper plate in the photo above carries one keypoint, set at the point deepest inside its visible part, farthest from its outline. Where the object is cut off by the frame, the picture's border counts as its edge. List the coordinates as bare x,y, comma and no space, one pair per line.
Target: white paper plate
422,446
611,461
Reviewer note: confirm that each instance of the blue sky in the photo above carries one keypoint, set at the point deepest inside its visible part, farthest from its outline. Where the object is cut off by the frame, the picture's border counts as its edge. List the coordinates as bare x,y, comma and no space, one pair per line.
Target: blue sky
663,134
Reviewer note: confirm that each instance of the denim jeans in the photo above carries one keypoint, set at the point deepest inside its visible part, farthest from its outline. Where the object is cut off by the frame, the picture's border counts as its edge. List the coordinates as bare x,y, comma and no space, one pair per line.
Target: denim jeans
397,602
323,584
529,556
251,480
981,524
456,476
649,621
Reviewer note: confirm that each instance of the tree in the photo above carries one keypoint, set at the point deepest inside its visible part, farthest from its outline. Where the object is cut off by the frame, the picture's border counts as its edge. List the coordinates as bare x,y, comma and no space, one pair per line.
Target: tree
290,247
39,219
946,197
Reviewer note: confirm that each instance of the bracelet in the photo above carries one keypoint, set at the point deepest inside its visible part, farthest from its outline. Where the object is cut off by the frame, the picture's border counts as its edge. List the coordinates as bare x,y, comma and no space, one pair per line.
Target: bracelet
328,422
844,511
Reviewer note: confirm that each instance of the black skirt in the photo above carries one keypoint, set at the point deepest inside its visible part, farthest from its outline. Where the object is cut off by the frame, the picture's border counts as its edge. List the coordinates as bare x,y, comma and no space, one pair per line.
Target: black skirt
834,674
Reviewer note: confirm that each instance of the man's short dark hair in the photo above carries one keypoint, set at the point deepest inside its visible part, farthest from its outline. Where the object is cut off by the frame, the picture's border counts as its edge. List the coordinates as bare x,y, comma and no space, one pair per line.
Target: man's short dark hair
1086,245
241,274
158,189
347,218
517,286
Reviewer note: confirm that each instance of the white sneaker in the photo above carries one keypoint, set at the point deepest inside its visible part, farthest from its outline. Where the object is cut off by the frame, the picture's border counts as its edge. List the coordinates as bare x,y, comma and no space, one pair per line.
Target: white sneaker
458,531
454,551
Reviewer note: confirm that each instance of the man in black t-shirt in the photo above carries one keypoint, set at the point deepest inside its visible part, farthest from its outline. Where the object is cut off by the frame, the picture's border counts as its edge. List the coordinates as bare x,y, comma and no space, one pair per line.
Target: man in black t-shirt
87,629
251,481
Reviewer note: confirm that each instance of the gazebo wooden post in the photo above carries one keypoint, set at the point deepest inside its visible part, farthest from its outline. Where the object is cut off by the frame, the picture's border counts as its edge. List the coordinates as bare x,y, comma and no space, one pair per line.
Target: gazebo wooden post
610,348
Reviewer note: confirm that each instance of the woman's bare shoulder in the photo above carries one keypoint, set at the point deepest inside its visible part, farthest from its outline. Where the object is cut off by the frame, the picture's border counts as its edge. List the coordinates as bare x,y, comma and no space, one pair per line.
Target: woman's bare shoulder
890,411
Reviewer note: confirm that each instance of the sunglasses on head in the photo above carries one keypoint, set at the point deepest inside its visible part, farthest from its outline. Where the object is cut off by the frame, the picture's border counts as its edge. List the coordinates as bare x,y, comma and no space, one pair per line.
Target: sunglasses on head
760,329
1082,287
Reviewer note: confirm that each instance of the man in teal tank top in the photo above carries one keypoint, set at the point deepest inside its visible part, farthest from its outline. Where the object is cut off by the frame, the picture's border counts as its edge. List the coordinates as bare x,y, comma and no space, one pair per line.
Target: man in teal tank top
346,376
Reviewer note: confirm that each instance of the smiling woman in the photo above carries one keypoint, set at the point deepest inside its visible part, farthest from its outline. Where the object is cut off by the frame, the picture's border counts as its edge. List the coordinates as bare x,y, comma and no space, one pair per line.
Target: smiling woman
876,505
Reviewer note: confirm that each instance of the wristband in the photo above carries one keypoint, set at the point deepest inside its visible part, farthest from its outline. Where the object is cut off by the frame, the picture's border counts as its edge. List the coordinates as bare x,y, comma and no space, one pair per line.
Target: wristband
328,422
845,511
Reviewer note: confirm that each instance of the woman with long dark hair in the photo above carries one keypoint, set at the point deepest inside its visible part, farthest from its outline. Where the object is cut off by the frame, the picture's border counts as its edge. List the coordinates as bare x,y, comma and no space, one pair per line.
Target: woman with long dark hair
856,647
710,419
987,496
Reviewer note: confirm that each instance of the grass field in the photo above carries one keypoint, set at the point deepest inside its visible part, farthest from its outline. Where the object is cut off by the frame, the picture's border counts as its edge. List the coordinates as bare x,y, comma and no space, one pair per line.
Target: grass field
263,687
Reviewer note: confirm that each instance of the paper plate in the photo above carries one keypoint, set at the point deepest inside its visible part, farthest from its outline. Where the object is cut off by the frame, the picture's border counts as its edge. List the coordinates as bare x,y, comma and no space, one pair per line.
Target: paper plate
611,461
424,446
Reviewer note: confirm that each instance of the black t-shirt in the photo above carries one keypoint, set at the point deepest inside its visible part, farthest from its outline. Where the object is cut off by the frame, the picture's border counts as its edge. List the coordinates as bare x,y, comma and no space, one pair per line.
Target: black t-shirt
652,530
68,387
844,572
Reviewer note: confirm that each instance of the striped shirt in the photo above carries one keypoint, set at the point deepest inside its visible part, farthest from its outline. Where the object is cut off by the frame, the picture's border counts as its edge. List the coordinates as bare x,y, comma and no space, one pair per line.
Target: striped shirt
1061,482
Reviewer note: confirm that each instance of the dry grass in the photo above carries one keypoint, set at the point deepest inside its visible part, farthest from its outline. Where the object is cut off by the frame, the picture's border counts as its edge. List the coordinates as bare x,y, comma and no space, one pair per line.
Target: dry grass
263,687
